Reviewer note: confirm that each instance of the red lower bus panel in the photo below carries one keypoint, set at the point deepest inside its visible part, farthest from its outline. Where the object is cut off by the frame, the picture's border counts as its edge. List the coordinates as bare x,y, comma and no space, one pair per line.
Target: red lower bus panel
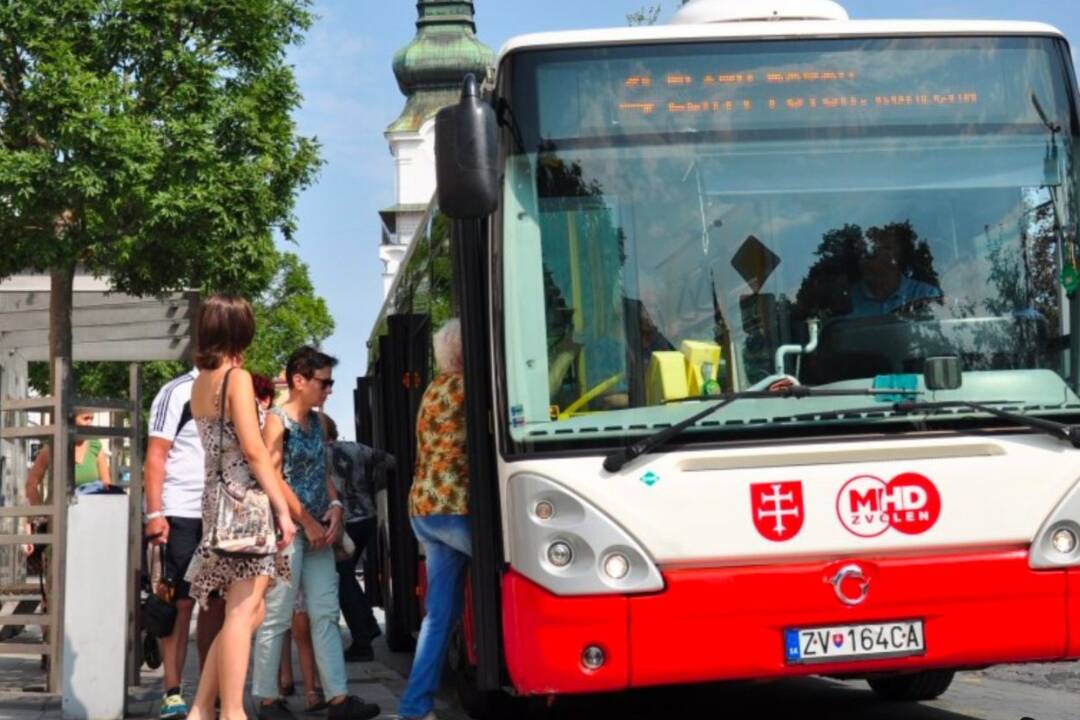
727,623
978,609
1073,613
544,636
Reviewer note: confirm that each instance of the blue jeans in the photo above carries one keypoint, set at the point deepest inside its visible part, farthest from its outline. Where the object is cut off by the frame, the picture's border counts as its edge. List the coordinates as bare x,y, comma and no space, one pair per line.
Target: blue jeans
448,543
96,488
316,574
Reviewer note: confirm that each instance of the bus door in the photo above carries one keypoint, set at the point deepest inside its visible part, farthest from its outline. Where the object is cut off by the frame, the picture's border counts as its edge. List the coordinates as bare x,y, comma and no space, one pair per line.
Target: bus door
402,374
364,396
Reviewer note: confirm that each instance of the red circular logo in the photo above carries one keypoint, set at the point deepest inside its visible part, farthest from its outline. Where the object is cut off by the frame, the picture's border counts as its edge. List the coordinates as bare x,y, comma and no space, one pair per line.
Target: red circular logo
868,506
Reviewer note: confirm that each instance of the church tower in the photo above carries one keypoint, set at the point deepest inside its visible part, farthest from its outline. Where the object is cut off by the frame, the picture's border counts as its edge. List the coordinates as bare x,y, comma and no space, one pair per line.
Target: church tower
429,71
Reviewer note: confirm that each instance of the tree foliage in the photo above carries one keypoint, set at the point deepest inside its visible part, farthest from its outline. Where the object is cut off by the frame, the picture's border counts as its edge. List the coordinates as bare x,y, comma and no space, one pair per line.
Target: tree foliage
150,141
649,14
109,379
289,314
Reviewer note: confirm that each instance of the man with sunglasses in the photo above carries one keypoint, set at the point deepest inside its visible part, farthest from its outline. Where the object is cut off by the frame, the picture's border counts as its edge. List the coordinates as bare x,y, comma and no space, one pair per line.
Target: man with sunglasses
296,441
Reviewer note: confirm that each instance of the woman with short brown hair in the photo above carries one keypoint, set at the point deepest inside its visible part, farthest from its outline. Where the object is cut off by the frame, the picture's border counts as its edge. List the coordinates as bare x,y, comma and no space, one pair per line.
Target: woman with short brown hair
224,408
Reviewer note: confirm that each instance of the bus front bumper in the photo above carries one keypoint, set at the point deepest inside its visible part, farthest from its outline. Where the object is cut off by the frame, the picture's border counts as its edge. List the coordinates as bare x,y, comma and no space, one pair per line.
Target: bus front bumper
710,624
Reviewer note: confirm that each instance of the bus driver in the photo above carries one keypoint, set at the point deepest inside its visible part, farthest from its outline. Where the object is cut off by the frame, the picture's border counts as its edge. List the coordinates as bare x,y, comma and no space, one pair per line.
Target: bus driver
883,287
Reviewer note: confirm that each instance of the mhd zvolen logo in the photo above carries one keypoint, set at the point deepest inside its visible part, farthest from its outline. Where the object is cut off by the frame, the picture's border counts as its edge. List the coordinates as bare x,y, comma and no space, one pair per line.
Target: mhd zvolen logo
868,506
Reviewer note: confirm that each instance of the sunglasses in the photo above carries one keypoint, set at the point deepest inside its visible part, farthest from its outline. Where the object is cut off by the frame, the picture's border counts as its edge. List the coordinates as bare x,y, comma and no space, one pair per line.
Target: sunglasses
326,383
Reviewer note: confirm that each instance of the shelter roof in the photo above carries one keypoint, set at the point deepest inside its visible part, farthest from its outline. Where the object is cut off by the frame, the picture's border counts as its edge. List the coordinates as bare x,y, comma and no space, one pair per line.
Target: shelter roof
106,326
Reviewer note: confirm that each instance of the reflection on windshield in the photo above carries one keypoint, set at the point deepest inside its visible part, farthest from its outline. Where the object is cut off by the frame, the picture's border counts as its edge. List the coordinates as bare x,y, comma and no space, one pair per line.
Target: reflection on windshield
886,311
882,271
674,270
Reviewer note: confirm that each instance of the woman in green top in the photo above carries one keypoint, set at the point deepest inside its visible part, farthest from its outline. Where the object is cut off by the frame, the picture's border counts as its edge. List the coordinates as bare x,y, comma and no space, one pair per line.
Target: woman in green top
91,464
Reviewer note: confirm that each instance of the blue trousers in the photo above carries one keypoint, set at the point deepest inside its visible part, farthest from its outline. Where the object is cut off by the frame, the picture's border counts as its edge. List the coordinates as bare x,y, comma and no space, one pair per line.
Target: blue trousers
316,574
448,544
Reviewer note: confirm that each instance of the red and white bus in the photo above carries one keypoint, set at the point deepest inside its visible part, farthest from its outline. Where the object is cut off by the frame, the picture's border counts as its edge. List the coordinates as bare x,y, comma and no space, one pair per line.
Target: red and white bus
773,352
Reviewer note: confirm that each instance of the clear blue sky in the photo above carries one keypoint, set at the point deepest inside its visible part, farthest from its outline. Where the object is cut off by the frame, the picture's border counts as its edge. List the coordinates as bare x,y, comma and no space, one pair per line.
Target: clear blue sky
351,96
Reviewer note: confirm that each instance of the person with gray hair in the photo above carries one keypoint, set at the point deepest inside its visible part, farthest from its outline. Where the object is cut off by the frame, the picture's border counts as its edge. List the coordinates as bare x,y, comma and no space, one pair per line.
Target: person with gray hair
439,506
449,357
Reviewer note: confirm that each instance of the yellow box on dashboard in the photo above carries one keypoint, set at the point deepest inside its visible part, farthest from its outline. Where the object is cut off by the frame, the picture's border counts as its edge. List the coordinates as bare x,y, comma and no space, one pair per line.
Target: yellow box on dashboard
688,372
702,364
666,377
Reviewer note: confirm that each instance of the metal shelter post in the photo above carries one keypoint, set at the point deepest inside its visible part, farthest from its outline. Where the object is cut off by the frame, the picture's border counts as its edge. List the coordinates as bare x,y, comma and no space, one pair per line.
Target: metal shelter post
135,539
63,471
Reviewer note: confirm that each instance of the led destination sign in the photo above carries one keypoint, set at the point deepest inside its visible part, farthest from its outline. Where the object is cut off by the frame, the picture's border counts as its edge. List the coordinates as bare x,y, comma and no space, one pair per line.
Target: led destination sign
928,82
661,97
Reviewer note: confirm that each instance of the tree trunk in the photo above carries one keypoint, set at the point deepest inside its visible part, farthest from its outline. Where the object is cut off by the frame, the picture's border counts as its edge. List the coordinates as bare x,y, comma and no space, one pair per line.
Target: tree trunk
61,291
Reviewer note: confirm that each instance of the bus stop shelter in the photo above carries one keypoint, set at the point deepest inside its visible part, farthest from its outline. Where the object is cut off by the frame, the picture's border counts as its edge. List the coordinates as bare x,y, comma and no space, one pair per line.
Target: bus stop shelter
106,327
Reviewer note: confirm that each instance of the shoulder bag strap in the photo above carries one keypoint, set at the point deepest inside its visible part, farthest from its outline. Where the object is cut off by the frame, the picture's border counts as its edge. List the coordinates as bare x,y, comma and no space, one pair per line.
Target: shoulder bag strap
286,432
221,427
285,443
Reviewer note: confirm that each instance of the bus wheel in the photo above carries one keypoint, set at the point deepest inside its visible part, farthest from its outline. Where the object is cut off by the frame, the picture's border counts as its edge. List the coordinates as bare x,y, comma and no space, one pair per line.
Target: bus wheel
910,687
398,638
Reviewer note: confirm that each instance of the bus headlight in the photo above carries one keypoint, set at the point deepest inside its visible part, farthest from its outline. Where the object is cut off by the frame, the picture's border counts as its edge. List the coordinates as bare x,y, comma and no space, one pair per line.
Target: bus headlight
560,554
616,566
1063,540
1057,544
568,546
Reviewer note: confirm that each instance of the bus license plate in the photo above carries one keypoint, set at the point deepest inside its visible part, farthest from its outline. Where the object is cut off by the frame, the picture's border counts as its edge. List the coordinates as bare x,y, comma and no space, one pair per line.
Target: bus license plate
860,642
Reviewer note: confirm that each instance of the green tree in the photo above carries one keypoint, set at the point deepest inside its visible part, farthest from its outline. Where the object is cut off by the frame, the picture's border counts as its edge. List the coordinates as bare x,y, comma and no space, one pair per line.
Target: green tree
289,314
148,141
649,14
109,379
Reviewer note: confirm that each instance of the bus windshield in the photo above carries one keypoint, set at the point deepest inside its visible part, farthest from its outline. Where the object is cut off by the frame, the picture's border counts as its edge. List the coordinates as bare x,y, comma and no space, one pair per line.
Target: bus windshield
684,220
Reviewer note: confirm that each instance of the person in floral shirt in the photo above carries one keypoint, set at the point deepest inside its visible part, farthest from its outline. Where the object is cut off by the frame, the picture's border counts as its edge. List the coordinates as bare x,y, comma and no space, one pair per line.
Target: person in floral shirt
441,481
439,506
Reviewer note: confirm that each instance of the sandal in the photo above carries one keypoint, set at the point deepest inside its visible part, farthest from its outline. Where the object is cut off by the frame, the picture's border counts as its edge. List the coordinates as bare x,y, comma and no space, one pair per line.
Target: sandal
316,701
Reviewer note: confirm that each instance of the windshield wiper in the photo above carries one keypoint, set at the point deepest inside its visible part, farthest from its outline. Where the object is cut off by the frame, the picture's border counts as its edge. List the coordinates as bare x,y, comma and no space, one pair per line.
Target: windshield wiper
615,461
1062,431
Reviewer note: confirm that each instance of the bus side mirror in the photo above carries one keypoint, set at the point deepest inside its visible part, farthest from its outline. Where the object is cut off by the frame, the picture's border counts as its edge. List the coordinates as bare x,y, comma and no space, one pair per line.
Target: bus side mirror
942,373
466,156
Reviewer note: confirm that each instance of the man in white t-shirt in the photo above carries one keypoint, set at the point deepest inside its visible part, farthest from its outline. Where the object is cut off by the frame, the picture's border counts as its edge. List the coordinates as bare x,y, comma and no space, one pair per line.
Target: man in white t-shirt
174,476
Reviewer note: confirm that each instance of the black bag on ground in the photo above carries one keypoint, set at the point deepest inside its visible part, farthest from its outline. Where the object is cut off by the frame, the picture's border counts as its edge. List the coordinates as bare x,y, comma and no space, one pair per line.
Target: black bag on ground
159,607
151,651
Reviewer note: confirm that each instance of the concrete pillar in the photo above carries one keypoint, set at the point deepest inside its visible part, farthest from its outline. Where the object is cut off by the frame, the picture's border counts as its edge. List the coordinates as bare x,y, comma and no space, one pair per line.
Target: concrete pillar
95,609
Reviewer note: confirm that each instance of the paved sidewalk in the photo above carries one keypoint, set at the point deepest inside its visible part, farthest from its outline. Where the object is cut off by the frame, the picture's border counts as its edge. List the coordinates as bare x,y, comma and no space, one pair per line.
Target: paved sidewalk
381,681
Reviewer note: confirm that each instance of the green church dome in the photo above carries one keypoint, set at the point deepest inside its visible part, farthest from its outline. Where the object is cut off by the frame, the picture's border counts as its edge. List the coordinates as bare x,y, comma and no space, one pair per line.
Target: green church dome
430,69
